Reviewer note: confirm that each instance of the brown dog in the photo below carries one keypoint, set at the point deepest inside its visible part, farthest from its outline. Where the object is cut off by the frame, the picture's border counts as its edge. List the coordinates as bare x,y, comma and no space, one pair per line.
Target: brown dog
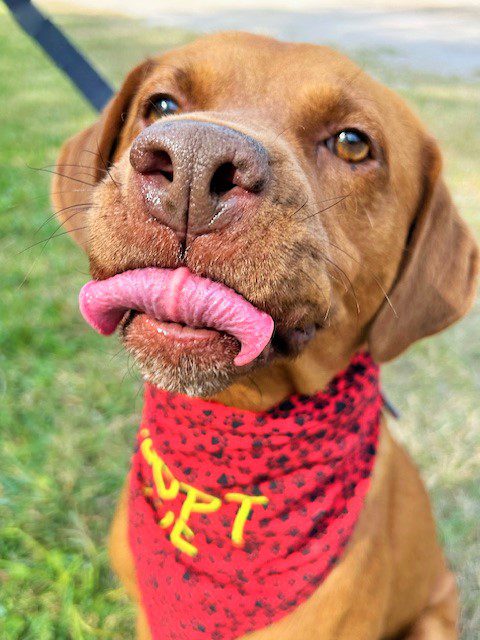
336,221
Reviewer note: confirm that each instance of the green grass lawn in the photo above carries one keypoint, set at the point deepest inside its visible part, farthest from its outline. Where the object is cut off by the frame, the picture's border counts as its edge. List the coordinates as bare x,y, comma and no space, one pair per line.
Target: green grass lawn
70,403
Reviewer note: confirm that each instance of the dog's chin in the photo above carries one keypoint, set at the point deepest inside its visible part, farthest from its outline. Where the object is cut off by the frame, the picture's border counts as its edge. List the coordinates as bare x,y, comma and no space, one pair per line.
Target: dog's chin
180,359
188,377
198,362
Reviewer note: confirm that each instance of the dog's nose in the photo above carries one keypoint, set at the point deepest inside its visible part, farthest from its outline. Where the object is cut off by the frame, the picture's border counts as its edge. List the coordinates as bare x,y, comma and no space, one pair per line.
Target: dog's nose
197,177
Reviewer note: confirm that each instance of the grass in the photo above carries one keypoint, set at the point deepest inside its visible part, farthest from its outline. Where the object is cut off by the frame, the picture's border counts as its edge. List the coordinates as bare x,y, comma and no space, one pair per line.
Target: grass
69,404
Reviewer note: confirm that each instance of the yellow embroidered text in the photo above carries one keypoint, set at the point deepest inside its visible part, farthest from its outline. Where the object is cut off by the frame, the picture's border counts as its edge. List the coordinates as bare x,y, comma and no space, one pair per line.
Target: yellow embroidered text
246,504
196,501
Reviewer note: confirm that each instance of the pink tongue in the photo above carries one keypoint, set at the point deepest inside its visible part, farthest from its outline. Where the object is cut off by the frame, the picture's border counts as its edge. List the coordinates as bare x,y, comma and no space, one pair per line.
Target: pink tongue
177,296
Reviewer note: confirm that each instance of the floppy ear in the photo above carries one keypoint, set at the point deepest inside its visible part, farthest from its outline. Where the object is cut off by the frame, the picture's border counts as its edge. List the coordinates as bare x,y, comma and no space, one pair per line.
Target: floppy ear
436,281
84,159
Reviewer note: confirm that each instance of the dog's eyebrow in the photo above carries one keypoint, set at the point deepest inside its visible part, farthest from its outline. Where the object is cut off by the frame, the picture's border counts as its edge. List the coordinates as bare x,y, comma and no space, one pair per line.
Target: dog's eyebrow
334,98
177,75
329,102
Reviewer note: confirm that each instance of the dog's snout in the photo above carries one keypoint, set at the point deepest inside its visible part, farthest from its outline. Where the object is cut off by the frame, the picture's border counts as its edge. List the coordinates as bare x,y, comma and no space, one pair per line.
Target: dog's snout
197,177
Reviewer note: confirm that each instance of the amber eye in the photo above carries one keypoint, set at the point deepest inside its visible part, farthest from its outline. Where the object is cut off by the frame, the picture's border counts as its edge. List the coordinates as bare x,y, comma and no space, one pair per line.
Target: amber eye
160,106
350,145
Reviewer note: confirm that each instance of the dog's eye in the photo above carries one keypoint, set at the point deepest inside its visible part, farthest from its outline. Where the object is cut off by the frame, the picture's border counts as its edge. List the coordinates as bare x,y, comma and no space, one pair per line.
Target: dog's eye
159,106
350,145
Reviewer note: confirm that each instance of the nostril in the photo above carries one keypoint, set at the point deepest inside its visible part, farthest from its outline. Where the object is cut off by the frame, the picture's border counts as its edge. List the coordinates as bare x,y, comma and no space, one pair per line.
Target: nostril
160,163
223,180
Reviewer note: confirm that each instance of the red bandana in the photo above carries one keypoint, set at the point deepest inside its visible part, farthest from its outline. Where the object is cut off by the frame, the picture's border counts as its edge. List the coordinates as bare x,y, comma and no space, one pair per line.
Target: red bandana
236,517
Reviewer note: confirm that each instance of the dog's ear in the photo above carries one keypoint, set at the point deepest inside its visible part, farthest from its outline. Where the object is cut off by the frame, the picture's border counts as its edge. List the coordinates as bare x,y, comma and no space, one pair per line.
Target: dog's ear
84,159
436,281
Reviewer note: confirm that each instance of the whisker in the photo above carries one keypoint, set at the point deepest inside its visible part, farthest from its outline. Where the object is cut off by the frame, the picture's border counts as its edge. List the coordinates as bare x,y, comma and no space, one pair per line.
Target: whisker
62,175
286,129
84,273
339,200
350,283
377,281
316,285
43,195
130,369
63,191
297,210
56,213
52,237
34,263
105,165
94,153
116,354
79,166
140,390
62,223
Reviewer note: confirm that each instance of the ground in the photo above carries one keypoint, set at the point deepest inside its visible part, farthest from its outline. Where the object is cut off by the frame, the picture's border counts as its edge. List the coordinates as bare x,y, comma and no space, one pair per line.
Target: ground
442,36
70,402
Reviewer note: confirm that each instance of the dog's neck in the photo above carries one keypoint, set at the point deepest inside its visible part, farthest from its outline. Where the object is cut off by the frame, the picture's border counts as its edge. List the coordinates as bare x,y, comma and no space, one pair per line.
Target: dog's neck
307,374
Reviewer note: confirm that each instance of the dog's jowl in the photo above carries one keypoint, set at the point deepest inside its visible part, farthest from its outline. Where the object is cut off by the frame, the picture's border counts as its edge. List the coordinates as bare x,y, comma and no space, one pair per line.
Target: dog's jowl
268,225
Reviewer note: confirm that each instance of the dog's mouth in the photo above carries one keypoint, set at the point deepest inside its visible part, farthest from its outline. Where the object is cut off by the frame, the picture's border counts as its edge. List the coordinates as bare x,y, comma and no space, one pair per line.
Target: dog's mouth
173,309
188,333
173,345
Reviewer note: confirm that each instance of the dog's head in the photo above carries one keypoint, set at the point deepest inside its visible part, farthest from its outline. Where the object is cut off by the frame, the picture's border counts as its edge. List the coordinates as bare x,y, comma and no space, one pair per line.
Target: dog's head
286,173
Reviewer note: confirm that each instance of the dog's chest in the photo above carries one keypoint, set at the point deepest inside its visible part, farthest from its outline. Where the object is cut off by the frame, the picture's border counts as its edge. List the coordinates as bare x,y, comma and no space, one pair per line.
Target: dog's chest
236,517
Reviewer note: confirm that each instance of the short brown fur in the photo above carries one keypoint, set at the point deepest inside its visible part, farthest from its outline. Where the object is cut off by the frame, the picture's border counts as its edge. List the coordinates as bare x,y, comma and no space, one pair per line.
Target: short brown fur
389,262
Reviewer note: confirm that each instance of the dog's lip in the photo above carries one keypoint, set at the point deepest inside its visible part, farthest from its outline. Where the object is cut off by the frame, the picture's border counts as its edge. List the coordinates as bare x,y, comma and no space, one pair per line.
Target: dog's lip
171,330
170,341
183,339
293,331
181,296
288,339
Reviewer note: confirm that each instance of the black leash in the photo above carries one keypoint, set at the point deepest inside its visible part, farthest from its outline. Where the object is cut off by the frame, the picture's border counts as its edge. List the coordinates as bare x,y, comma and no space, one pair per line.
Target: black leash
392,410
63,53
